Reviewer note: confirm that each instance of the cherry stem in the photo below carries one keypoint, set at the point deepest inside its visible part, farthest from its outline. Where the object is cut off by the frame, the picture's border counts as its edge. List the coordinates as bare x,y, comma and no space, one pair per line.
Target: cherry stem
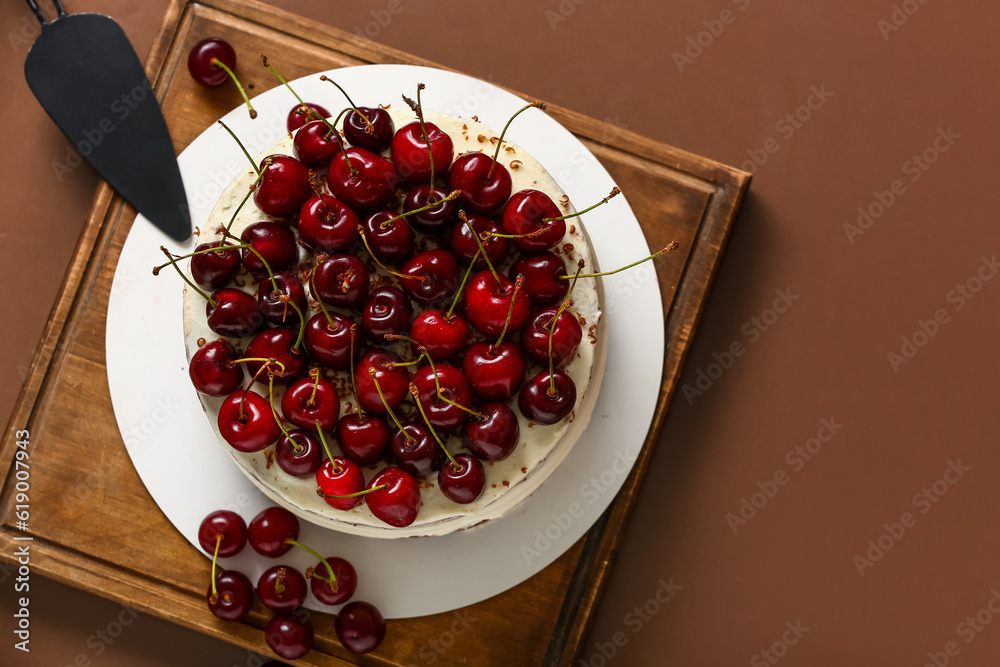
270,402
461,286
552,332
369,128
331,578
402,276
318,190
264,360
333,326
378,388
219,63
314,374
487,234
322,440
518,284
243,398
350,165
354,389
465,219
242,147
416,399
363,492
437,382
417,109
451,195
496,154
215,558
615,191
670,248
239,208
173,263
279,581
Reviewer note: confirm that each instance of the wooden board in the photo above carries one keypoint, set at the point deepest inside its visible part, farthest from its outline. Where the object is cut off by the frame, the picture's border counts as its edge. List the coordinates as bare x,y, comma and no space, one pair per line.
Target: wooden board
95,527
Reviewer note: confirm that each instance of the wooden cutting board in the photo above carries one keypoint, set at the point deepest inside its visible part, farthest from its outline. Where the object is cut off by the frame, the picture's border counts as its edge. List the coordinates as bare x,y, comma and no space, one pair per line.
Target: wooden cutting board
92,522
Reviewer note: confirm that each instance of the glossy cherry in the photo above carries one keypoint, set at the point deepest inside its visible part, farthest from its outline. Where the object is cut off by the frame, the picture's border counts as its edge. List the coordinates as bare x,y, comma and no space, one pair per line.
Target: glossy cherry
482,192
433,220
362,439
371,183
230,526
544,281
315,144
409,152
396,504
310,400
269,532
212,270
283,186
440,334
281,588
442,415
340,477
360,627
342,280
388,311
346,581
488,304
464,246
288,636
390,242
494,374
235,313
212,369
525,213
356,129
462,481
328,341
415,450
274,242
246,422
434,275
565,339
541,404
271,303
394,381
299,453
233,597
493,437
327,224
302,114
276,343
200,64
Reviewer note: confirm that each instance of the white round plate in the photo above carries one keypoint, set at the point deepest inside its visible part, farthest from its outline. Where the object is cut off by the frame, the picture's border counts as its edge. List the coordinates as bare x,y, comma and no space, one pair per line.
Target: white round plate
174,448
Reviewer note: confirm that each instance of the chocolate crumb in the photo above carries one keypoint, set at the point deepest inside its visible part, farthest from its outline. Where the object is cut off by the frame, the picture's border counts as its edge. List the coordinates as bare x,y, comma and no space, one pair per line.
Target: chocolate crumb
506,483
572,229
201,342
524,470
482,138
515,164
269,456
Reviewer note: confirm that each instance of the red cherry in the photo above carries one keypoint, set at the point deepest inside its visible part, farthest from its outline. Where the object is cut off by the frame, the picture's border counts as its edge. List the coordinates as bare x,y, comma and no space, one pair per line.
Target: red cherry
356,130
419,454
539,405
230,526
281,588
308,401
315,144
543,278
233,598
494,374
369,186
360,627
276,344
409,152
464,246
393,380
496,436
363,440
249,428
274,242
200,64
565,340
488,304
342,280
441,336
269,532
212,371
433,220
398,503
345,576
212,270
283,187
299,453
340,477
330,343
462,481
390,244
289,637
443,415
327,224
235,313
270,303
302,114
388,311
480,194
434,276
524,214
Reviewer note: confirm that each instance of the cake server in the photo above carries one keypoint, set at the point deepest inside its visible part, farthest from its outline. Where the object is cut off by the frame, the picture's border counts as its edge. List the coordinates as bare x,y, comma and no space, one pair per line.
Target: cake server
88,78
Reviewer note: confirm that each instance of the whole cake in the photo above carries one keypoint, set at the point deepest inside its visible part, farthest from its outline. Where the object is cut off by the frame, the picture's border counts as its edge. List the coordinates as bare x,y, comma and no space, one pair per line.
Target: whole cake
386,374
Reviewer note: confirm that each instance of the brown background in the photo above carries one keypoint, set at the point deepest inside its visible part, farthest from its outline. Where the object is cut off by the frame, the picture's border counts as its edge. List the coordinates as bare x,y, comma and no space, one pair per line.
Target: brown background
826,357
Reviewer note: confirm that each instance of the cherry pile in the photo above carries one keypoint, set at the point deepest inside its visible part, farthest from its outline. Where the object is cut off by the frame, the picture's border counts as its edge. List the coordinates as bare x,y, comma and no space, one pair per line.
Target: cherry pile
281,588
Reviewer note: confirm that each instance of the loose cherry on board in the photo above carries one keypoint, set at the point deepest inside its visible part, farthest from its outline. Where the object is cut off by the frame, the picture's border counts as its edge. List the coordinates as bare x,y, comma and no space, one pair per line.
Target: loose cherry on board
298,453
309,400
201,65
360,627
327,224
246,421
546,401
283,186
212,270
212,370
330,593
493,436
281,588
231,596
288,636
226,524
